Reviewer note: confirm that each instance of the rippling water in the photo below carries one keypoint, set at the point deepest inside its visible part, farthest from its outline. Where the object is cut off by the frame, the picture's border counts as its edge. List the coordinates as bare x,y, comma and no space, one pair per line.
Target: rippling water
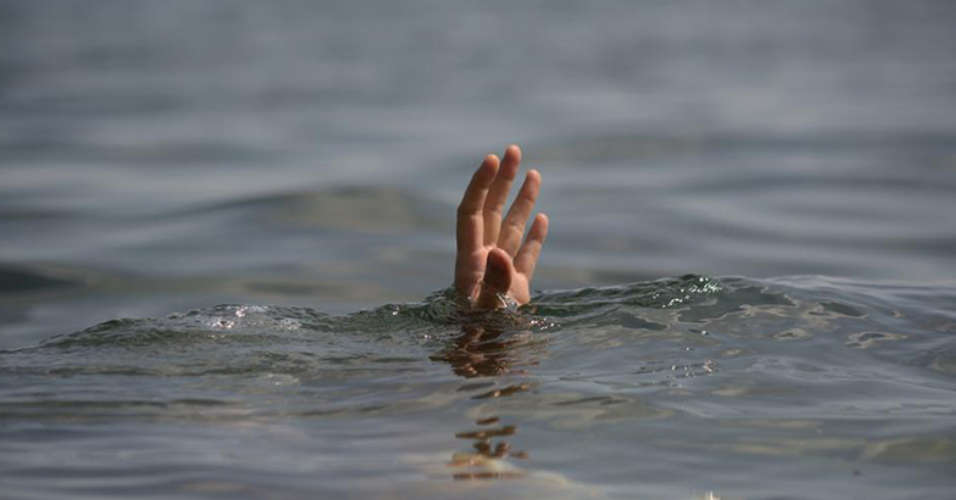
670,388
305,159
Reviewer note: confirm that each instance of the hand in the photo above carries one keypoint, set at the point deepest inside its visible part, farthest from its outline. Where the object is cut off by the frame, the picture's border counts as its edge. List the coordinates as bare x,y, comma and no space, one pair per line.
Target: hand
491,257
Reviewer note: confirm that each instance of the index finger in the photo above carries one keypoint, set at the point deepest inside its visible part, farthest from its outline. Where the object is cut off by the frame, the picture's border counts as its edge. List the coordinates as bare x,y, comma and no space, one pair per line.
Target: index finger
470,219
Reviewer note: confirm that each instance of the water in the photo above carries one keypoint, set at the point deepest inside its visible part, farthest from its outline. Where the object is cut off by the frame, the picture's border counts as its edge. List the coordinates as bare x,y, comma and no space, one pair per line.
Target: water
670,388
303,161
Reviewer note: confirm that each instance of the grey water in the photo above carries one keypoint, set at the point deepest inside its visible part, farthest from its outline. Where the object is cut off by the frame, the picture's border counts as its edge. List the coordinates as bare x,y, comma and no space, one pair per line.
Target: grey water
226,230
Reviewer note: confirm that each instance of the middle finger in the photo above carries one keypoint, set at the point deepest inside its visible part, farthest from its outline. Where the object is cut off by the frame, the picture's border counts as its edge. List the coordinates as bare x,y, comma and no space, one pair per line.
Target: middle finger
498,194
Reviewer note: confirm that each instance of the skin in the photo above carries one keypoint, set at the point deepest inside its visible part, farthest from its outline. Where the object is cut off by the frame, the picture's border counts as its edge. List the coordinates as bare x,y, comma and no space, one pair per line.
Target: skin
494,256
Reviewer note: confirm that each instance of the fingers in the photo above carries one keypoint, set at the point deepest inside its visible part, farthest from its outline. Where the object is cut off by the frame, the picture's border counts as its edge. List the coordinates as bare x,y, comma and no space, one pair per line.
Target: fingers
469,229
531,249
491,258
512,229
498,194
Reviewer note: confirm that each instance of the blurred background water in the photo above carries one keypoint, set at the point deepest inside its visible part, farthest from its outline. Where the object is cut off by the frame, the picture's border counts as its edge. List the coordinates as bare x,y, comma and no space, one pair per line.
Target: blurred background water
168,156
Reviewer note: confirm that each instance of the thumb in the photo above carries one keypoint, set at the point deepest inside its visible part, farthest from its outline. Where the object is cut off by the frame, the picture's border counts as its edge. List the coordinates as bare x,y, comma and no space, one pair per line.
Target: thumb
498,272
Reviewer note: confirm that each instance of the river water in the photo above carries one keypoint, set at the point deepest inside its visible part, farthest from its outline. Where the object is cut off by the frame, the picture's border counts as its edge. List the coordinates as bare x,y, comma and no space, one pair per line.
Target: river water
226,230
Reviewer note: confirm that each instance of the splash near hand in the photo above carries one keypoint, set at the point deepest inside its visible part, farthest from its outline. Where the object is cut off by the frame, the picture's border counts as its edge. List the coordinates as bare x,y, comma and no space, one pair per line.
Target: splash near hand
494,258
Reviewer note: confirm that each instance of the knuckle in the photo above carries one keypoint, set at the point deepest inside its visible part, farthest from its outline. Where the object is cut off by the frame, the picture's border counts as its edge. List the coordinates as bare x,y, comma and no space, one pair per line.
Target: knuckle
515,225
492,210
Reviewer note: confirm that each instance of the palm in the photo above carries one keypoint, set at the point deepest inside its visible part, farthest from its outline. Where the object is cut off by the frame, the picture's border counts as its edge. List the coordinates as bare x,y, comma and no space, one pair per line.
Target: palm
492,258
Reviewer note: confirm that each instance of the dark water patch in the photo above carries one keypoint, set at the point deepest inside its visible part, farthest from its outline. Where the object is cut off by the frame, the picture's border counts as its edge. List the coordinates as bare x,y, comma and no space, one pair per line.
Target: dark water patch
662,293
223,324
55,147
632,321
735,298
604,400
15,280
32,214
839,308
866,340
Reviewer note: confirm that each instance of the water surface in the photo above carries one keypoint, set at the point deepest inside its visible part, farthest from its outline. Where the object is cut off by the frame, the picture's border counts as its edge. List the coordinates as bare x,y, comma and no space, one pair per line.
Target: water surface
302,161
667,389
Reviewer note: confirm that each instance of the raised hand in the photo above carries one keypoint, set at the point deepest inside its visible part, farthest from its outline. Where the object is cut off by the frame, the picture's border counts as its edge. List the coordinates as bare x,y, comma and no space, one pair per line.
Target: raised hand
492,259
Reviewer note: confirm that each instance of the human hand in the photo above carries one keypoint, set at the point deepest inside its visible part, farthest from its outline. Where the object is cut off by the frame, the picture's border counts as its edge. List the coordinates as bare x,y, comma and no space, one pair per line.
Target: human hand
491,256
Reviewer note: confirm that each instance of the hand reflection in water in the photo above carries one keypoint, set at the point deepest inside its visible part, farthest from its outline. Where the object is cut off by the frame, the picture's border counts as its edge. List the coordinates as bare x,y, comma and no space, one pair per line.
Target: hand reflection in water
484,349
480,351
492,262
